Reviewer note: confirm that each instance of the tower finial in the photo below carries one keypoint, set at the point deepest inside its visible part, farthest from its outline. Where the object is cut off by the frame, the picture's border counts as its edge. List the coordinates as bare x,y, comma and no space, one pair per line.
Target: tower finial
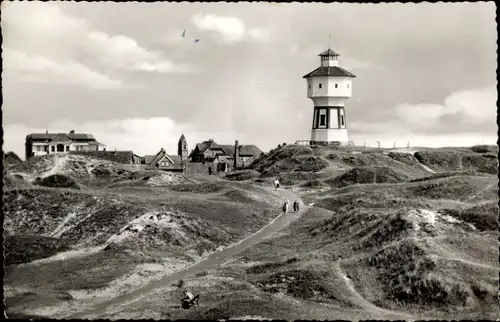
329,40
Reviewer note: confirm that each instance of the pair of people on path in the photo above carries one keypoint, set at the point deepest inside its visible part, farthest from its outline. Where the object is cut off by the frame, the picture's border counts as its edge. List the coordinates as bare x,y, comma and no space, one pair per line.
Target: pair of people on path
295,206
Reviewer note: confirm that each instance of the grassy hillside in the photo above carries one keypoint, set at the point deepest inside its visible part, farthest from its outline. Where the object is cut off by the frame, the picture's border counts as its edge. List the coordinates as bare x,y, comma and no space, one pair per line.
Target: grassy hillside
389,234
79,215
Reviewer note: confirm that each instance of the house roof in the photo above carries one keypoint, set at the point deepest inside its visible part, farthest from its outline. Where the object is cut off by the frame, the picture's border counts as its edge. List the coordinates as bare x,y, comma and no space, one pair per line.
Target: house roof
205,145
81,136
329,71
50,136
174,159
229,149
329,52
247,150
60,138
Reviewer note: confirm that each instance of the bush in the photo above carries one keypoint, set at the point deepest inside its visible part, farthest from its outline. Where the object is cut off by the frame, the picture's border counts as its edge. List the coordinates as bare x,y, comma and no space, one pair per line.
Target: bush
27,248
313,164
242,175
57,181
484,149
483,217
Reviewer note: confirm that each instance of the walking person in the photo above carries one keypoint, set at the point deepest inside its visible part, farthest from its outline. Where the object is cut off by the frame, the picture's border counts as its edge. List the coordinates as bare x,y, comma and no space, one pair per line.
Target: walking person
285,207
276,184
296,206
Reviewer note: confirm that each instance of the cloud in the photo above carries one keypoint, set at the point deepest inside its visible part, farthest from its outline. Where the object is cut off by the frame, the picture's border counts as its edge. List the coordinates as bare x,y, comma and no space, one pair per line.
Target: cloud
469,111
36,68
475,107
124,53
231,29
44,29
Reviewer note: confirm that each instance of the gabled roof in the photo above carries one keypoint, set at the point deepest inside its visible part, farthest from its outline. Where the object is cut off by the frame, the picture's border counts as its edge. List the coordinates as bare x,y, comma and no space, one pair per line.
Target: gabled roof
229,149
329,71
329,52
205,145
174,159
60,138
160,155
247,150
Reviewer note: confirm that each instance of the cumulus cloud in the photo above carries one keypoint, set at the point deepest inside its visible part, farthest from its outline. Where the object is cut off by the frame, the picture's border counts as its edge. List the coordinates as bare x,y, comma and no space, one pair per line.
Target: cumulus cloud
143,136
36,68
43,29
467,117
475,107
231,29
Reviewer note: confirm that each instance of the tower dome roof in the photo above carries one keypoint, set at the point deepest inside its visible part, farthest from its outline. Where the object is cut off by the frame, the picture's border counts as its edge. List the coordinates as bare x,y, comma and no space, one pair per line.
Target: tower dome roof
329,52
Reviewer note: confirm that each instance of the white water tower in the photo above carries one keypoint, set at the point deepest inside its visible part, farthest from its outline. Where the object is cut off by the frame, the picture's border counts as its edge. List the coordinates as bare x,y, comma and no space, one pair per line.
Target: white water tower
329,86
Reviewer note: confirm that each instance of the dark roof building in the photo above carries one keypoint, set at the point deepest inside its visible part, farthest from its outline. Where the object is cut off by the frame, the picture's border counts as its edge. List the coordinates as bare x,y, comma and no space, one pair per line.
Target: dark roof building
329,71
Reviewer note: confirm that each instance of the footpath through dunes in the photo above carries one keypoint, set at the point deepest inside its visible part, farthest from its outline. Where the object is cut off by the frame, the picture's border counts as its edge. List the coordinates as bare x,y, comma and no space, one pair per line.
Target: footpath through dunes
207,263
418,243
84,247
362,264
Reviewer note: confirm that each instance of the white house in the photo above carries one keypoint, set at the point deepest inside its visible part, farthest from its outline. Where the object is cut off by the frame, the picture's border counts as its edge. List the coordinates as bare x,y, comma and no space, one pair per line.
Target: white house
48,143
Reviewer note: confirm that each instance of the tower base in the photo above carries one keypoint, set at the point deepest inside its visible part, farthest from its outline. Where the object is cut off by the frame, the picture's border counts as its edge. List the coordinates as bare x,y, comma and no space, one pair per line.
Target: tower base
330,136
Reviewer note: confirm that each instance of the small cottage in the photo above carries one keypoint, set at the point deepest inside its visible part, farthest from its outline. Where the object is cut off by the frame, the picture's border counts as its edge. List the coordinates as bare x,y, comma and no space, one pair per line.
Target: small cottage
164,161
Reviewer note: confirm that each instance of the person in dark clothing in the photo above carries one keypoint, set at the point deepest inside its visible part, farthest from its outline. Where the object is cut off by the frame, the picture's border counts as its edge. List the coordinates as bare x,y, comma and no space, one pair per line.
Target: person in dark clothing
296,206
210,170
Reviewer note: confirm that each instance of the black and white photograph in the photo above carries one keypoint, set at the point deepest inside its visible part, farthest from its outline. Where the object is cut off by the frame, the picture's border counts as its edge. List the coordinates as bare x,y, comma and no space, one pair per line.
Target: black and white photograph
250,160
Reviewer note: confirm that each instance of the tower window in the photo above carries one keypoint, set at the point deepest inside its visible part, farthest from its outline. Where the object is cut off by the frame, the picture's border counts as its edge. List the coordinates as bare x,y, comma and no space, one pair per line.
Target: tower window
347,85
336,85
309,86
322,120
342,119
320,85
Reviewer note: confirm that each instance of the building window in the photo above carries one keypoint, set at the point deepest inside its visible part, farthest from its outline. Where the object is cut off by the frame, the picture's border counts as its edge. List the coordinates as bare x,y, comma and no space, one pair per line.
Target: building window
163,163
336,85
322,120
342,119
53,148
309,86
67,148
320,85
347,85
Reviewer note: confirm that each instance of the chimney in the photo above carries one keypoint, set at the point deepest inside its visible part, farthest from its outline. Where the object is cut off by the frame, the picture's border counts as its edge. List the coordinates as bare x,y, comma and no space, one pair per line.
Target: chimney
236,153
72,132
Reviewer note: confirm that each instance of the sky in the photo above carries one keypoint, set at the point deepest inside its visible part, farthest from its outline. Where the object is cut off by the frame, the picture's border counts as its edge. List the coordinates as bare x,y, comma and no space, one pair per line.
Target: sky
426,73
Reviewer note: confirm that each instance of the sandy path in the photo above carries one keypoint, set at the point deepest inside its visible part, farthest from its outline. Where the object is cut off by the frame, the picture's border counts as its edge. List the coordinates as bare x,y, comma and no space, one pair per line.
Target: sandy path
274,226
